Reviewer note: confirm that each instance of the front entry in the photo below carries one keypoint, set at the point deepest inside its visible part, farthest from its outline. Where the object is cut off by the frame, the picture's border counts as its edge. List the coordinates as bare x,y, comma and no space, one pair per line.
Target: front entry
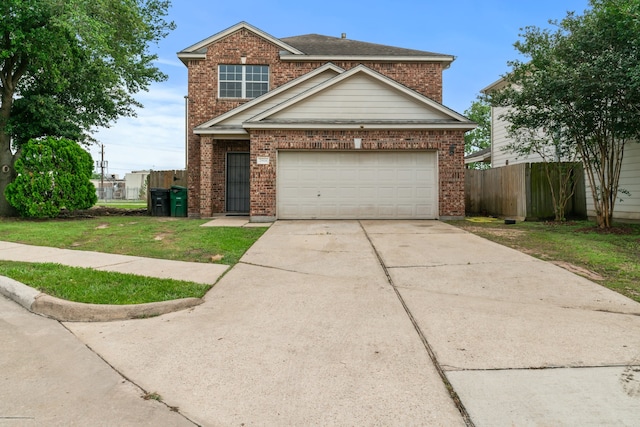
238,183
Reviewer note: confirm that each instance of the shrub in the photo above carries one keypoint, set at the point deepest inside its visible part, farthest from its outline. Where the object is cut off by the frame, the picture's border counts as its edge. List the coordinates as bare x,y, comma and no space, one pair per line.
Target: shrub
53,173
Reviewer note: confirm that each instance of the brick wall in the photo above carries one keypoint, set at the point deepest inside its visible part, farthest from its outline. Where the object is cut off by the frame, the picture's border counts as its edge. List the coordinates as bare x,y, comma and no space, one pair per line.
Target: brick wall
266,143
212,180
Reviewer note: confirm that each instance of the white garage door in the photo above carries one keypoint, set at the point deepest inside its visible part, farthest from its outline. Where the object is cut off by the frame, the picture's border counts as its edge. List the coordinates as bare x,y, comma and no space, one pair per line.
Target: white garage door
357,185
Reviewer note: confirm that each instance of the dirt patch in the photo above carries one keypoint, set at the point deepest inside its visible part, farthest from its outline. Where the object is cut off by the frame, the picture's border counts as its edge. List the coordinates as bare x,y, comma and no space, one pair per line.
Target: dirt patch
500,232
619,230
103,211
579,270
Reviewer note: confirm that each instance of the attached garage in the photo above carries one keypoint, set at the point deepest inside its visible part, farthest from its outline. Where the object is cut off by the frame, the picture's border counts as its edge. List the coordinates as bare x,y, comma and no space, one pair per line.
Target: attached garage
357,185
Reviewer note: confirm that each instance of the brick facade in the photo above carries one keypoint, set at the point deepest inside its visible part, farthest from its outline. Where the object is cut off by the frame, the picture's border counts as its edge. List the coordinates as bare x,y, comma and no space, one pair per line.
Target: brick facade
206,156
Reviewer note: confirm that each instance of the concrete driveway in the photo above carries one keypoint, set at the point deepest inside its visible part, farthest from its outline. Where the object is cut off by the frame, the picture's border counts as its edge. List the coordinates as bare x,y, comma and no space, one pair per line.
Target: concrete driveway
370,323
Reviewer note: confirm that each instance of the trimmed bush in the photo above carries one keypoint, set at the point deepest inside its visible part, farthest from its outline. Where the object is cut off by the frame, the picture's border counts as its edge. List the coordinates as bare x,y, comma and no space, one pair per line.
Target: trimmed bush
53,173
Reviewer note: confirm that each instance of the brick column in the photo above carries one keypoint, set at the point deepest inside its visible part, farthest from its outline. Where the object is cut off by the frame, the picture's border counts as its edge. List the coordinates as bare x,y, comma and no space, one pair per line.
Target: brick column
206,165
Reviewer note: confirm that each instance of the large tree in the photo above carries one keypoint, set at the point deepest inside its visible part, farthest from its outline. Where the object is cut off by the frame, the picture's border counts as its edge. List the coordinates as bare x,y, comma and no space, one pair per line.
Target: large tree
581,82
68,66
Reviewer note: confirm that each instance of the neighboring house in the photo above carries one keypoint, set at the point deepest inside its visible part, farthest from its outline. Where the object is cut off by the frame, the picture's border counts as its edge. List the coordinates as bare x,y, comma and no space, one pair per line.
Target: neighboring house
320,127
627,208
480,156
136,184
111,187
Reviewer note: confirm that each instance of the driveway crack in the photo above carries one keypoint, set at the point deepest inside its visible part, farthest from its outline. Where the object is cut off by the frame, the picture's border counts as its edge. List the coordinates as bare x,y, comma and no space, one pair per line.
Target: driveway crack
452,393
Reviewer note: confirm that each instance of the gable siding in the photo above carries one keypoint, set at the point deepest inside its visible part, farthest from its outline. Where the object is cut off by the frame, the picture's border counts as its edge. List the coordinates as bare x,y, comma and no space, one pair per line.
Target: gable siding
499,141
627,207
275,100
360,97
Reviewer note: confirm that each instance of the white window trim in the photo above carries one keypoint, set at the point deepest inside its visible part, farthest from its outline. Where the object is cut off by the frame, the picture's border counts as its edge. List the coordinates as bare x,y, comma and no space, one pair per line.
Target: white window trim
243,82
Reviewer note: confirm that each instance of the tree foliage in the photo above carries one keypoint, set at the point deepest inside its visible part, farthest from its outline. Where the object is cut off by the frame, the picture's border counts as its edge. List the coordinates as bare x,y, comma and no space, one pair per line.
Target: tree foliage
480,137
52,174
67,66
581,83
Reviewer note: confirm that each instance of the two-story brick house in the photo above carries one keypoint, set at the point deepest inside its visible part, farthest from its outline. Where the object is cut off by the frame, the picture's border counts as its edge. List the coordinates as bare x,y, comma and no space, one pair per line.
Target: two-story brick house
320,127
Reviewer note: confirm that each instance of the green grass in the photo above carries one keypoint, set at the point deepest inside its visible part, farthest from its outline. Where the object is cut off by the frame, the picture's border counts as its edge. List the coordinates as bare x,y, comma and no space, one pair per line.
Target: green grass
178,239
613,254
98,287
123,204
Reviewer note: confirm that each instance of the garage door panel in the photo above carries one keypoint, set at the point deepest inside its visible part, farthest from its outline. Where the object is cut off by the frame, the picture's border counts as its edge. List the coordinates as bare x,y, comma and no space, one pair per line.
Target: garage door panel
349,185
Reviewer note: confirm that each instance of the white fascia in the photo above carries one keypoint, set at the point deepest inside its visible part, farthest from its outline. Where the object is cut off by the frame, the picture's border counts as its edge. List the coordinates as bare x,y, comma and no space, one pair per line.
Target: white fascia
361,126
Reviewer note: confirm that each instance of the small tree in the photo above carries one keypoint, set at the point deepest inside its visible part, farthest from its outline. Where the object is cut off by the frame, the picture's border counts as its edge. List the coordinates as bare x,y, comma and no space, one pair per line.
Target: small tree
52,174
480,137
583,79
559,160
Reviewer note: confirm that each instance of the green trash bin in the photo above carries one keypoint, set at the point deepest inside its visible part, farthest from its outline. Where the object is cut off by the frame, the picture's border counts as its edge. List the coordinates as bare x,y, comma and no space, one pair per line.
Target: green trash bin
178,201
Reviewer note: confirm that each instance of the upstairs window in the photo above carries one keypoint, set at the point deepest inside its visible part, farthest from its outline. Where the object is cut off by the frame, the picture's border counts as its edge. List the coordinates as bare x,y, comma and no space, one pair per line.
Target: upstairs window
243,81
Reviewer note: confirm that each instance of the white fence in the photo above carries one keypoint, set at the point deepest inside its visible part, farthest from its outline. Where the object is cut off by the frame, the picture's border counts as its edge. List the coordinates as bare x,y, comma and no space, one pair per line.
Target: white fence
112,193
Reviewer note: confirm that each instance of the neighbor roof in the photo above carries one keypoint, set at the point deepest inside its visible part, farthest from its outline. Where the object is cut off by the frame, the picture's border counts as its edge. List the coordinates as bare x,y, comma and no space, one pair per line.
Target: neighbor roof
483,155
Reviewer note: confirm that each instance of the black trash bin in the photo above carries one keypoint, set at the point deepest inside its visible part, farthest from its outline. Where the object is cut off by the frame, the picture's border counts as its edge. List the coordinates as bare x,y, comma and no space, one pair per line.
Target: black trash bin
178,201
160,202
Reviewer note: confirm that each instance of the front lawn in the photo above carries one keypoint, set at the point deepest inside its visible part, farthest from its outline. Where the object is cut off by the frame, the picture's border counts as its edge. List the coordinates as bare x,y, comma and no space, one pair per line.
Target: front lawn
611,257
179,239
169,238
99,287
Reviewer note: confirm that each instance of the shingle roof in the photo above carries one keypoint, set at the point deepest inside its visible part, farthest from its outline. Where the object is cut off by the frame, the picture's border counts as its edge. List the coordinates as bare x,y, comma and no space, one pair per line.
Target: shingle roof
316,44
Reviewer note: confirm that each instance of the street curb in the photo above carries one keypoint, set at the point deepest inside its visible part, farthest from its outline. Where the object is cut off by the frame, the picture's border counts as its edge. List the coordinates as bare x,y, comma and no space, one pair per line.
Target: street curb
68,311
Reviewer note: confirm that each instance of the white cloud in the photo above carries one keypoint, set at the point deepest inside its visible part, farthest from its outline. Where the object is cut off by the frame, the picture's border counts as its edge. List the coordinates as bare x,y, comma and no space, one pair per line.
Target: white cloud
172,62
153,140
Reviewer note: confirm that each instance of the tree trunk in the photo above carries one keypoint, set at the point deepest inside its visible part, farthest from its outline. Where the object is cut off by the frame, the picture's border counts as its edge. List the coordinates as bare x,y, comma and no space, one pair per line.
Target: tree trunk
7,159
7,173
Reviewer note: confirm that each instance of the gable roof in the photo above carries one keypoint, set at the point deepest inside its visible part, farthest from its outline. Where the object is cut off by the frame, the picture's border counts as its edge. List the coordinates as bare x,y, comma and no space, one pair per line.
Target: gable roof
498,84
333,103
439,116
483,155
198,50
319,45
315,47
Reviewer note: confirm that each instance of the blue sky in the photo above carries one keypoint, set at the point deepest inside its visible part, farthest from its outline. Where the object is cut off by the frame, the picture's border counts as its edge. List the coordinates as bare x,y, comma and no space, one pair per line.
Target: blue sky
479,33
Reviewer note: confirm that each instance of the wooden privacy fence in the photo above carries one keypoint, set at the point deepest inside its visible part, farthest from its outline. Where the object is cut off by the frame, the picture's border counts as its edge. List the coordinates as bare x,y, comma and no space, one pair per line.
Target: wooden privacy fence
518,191
165,179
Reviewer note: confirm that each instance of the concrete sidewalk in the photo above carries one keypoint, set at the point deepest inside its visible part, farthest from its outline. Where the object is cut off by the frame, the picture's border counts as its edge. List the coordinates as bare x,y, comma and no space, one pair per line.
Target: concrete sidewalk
371,322
50,378
47,305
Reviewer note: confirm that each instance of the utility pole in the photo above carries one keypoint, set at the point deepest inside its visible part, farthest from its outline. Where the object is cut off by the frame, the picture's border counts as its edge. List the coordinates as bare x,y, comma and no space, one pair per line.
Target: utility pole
102,171
186,132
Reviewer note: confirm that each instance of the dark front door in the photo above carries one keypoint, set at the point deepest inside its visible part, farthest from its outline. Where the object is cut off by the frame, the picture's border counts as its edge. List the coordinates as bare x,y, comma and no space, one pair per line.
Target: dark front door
238,182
